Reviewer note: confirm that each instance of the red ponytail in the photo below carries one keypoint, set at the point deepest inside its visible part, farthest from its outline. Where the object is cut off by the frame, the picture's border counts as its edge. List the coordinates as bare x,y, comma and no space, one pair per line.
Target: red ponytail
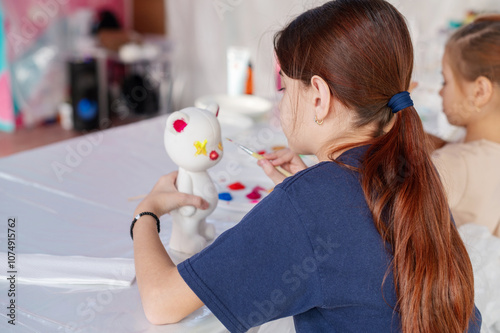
432,273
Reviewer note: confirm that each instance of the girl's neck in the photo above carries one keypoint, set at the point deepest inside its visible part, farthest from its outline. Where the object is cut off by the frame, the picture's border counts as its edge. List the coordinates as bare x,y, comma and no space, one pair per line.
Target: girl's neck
356,137
325,154
488,128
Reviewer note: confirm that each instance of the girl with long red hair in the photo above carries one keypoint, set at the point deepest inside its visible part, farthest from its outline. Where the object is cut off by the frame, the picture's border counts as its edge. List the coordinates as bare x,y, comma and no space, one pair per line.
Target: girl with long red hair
361,242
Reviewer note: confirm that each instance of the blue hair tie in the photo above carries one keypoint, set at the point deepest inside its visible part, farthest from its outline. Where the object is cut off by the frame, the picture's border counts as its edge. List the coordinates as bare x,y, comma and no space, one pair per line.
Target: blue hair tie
400,101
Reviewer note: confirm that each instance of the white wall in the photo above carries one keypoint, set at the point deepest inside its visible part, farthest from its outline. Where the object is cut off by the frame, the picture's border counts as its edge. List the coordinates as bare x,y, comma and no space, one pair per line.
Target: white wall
203,29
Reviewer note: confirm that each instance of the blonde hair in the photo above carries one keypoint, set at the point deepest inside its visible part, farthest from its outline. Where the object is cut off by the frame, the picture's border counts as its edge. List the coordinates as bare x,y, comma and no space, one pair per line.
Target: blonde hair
474,50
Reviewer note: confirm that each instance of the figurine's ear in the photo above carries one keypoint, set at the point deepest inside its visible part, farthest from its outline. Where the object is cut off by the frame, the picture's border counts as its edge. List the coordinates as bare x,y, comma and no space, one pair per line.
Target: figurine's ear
214,108
177,122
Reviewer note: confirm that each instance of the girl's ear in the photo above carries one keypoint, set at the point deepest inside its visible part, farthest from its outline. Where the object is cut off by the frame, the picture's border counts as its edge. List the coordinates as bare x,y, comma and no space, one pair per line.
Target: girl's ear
483,91
177,122
321,97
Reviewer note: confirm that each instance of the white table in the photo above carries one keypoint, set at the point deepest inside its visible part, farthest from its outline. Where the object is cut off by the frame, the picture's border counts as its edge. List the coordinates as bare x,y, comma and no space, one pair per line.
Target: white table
70,198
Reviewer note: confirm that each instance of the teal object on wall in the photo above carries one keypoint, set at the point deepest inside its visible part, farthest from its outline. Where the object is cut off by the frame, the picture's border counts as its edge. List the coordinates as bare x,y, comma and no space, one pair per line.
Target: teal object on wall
7,116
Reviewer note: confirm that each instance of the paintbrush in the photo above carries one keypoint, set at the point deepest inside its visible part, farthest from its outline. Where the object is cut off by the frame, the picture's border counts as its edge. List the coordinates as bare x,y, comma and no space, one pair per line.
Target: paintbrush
246,150
260,157
139,197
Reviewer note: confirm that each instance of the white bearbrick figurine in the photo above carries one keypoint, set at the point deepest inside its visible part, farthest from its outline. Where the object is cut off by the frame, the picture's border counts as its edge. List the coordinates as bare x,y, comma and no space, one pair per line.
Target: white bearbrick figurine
193,141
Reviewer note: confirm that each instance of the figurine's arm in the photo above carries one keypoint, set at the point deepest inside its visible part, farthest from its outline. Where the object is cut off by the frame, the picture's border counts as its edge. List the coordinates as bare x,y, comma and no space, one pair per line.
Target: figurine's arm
185,185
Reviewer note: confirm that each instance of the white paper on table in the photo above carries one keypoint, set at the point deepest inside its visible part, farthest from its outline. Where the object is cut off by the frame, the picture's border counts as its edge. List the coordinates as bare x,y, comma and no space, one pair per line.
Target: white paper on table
45,269
484,253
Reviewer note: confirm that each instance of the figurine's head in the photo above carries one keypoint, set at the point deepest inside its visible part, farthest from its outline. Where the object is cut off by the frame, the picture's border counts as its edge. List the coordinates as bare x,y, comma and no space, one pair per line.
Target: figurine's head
193,139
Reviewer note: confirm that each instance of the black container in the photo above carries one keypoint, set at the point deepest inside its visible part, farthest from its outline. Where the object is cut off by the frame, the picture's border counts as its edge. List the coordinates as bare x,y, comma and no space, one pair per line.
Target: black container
84,92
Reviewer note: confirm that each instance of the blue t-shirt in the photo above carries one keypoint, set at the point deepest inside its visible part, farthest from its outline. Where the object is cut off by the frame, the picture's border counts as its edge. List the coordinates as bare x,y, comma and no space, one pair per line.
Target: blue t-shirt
309,250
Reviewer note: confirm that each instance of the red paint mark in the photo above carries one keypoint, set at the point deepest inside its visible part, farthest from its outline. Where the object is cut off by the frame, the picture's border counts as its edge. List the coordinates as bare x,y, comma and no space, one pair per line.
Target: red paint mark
254,195
179,125
236,186
214,155
262,152
254,201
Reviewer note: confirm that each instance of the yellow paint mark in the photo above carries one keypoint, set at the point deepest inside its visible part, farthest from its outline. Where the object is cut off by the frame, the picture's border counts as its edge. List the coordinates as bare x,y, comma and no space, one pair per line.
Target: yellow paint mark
201,148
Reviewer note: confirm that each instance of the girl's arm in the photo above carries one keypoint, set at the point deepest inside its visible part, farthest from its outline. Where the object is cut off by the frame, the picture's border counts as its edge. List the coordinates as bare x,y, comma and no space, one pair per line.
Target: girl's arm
166,298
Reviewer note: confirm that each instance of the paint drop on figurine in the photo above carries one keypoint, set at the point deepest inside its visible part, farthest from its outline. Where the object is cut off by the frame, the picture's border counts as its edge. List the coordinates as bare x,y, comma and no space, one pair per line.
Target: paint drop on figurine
213,155
201,148
179,125
236,186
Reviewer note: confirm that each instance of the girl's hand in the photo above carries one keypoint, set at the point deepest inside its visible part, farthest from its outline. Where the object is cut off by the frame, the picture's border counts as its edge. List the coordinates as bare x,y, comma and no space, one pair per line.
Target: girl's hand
164,198
285,158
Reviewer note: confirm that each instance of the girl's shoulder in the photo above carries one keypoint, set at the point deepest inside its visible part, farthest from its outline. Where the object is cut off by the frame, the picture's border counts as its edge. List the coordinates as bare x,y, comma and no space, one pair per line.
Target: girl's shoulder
321,173
330,172
470,150
490,146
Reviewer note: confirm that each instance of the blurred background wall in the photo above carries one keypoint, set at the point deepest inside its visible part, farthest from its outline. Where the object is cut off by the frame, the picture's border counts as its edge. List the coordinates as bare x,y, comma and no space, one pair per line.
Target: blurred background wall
203,29
39,36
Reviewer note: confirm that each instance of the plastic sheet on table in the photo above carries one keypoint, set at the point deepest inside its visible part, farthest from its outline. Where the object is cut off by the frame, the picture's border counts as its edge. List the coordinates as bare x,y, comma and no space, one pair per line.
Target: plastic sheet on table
484,252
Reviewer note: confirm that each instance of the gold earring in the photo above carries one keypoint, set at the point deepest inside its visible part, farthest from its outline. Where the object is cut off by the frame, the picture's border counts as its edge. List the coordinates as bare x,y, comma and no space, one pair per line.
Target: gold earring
478,109
319,122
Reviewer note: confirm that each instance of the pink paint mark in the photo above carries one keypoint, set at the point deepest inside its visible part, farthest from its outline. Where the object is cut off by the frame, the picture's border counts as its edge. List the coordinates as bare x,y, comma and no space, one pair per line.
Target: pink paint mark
254,201
254,195
6,106
179,125
236,186
214,155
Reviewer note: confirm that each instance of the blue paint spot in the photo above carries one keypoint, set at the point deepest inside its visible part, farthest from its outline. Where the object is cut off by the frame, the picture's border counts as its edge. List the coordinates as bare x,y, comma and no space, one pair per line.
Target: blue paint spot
225,196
